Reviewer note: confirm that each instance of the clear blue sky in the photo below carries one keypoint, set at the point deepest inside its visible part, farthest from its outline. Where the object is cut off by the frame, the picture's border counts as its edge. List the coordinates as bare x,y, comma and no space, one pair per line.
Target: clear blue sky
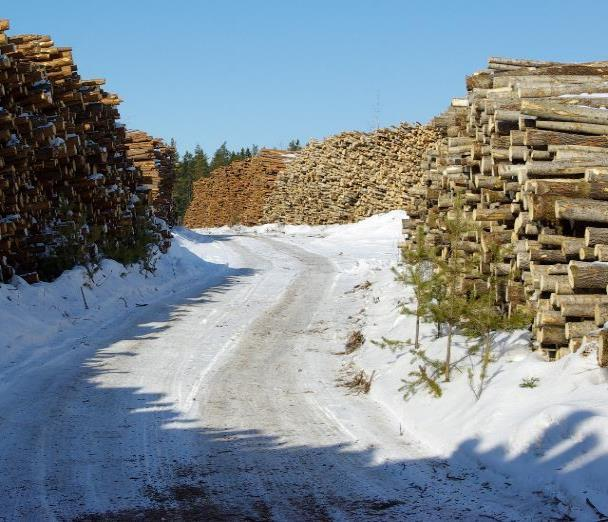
266,71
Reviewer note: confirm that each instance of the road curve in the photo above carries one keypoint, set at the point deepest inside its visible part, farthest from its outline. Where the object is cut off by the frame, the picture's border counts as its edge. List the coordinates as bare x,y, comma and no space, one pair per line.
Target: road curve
224,405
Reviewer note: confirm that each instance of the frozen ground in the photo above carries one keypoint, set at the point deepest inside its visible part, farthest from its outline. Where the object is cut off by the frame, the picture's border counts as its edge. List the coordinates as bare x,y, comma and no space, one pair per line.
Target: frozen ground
209,391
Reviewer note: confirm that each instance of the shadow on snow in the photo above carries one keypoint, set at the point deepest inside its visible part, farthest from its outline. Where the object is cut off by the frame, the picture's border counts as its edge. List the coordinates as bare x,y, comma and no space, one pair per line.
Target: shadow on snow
223,474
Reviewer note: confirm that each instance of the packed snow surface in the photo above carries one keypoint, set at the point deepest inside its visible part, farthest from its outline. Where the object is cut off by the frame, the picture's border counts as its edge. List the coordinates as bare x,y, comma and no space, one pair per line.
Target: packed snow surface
211,388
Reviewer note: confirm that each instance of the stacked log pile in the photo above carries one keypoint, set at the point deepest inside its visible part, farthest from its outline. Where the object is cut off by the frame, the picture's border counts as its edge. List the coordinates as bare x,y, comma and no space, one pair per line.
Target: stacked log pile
66,183
236,194
526,152
350,176
156,162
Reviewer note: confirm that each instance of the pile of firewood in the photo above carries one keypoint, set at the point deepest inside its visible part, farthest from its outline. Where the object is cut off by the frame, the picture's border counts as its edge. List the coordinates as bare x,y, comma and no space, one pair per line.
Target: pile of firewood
350,176
236,194
526,154
66,181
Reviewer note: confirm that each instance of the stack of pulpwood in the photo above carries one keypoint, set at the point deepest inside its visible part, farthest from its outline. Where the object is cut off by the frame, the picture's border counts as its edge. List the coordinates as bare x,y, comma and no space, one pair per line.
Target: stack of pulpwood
67,186
526,154
237,193
156,162
350,176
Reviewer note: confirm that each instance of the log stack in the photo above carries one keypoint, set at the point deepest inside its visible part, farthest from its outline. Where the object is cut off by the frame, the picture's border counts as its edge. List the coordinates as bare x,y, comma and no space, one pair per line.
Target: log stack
350,176
156,162
66,183
526,152
236,194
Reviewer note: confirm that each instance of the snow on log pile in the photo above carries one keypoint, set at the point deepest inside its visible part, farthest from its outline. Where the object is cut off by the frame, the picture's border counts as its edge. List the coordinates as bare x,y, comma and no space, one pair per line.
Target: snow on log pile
237,193
350,176
67,186
527,153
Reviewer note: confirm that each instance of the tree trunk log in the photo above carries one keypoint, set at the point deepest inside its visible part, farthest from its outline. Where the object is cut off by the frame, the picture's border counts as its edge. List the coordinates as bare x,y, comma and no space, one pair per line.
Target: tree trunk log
555,110
601,252
493,214
596,236
579,209
583,275
568,126
541,255
541,138
588,254
548,335
600,314
578,329
563,168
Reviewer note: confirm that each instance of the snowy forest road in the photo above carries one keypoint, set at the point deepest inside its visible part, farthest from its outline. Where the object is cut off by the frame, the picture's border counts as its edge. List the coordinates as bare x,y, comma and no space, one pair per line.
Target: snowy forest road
224,406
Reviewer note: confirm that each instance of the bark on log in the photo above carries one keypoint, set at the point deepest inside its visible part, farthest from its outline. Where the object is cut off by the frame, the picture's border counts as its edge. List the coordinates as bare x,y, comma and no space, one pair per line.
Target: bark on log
550,318
542,138
583,275
579,209
601,252
596,236
600,314
549,335
567,126
554,110
578,329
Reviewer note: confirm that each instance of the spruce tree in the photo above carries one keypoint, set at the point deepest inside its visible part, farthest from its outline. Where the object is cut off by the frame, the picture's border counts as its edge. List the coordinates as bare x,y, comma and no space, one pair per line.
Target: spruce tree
221,157
200,163
182,189
294,145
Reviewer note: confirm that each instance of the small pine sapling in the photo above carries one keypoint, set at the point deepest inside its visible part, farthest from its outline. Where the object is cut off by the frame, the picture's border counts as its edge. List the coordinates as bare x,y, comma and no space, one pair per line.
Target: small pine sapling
419,274
450,302
429,370
393,345
529,382
483,321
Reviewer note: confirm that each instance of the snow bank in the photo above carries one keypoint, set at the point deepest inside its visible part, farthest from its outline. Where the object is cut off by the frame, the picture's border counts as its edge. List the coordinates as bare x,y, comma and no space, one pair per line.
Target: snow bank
37,318
552,437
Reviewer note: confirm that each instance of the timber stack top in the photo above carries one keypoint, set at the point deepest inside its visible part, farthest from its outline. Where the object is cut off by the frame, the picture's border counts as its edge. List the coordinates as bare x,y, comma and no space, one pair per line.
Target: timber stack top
526,152
237,193
68,186
350,176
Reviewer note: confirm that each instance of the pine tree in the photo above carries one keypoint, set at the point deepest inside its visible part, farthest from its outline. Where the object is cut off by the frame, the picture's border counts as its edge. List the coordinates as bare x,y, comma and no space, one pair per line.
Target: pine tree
451,304
483,320
419,274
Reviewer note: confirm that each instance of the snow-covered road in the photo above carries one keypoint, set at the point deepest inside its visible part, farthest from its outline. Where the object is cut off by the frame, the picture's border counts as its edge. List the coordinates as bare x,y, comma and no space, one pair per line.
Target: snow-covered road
220,402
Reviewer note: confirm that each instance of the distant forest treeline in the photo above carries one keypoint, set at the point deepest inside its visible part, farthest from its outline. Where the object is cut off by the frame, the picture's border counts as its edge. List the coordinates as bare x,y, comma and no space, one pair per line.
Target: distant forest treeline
195,165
